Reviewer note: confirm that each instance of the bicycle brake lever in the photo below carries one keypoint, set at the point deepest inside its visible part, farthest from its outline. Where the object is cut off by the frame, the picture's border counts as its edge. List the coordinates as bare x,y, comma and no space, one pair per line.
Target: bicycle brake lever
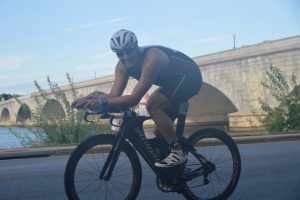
85,117
87,113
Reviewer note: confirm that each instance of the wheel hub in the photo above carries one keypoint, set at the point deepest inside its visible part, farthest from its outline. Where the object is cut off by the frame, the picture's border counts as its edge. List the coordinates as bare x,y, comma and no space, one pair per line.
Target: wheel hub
208,167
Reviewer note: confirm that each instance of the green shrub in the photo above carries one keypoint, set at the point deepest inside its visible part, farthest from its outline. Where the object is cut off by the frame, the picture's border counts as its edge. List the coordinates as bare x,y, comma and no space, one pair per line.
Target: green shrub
57,126
286,116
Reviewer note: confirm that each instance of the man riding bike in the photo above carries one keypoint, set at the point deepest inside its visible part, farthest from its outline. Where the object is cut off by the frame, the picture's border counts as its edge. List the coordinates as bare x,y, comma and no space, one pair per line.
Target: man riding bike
176,74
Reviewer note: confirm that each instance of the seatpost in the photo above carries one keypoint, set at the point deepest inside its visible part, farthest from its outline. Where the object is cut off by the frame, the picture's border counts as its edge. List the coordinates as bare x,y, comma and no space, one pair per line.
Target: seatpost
181,118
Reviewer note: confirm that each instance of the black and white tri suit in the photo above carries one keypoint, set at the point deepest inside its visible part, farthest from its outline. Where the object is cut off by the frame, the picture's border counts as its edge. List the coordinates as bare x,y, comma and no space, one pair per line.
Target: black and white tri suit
180,80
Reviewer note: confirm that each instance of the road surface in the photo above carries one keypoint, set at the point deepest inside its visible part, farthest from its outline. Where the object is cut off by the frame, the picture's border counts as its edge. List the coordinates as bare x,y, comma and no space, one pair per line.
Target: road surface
269,171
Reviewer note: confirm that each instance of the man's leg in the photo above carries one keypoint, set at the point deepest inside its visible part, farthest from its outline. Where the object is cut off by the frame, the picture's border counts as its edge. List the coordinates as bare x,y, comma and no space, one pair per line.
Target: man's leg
164,125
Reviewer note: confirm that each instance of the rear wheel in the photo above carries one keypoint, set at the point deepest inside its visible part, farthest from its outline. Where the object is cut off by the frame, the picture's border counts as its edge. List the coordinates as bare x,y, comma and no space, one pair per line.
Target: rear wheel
82,173
223,166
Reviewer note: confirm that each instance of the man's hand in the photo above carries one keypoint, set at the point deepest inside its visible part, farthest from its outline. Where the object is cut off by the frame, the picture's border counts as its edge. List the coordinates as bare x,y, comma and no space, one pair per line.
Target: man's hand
88,103
79,103
94,105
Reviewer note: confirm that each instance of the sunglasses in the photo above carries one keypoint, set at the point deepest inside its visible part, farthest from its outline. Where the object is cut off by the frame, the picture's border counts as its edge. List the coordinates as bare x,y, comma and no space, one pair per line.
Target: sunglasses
126,51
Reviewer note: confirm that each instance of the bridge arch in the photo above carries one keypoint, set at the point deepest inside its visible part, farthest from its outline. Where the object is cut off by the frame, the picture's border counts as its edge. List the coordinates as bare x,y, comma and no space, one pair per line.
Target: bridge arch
24,113
53,109
5,115
210,105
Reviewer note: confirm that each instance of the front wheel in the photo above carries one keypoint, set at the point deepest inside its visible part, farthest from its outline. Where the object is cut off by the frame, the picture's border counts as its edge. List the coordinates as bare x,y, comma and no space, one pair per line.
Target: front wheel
222,169
82,173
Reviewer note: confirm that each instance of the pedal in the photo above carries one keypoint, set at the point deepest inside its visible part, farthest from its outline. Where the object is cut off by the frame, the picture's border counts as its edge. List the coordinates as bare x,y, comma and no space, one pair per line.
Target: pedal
163,186
173,186
171,179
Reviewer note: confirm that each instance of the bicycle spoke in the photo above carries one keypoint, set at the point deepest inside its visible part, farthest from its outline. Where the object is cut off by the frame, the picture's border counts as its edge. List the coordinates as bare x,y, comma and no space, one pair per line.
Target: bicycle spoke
217,183
88,186
223,174
110,192
122,175
218,162
124,183
92,194
90,164
116,189
82,179
89,172
215,146
100,194
97,165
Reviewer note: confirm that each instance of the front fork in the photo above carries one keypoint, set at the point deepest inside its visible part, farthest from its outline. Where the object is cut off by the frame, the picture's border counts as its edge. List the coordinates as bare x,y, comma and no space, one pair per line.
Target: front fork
112,158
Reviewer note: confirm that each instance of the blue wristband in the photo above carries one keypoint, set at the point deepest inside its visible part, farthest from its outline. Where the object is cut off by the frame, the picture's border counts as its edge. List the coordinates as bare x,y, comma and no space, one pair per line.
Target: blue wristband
102,103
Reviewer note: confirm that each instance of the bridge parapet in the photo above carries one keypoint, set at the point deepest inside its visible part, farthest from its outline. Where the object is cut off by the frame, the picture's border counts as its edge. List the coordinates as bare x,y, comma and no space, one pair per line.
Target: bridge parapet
238,74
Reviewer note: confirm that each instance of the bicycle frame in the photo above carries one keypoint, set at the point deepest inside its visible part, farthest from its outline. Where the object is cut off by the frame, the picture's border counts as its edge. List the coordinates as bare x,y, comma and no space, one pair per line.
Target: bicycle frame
132,132
221,168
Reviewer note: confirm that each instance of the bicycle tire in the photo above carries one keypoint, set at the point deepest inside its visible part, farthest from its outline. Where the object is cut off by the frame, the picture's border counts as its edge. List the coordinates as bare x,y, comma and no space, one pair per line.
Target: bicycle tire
226,158
86,161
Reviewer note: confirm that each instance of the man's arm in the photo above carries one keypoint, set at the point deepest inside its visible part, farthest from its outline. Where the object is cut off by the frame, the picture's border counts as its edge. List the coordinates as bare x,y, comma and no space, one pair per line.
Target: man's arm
120,82
155,61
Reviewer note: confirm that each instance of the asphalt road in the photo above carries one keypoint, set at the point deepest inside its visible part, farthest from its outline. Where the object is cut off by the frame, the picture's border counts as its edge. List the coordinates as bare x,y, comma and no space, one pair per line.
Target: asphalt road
269,171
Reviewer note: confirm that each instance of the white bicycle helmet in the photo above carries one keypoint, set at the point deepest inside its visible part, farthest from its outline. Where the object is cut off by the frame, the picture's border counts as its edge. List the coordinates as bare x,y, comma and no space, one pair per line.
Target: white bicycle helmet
123,39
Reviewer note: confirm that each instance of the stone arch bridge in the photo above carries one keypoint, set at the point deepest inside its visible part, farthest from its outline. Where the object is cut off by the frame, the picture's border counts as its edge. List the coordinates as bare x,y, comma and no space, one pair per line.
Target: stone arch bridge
230,94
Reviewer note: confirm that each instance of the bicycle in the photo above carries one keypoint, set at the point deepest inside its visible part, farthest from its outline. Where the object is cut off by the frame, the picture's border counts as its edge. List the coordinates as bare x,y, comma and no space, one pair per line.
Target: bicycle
107,166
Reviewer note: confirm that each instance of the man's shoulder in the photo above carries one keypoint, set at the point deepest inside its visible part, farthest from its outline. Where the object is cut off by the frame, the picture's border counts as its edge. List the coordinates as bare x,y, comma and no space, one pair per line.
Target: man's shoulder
120,68
154,46
166,50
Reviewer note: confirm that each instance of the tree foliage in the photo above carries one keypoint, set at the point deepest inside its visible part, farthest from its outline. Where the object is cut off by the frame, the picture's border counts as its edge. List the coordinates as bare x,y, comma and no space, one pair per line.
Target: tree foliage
52,128
286,116
5,96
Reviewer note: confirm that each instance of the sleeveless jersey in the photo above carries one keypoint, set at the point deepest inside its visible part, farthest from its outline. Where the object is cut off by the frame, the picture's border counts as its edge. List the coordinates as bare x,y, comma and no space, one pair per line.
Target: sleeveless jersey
170,73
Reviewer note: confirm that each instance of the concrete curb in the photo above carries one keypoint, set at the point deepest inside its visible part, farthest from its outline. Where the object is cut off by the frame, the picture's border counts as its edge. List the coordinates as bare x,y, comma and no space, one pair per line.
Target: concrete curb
6,154
266,138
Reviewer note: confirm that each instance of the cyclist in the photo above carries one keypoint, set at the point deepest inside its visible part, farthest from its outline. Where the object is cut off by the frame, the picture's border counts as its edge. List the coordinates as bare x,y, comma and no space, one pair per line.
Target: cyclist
176,74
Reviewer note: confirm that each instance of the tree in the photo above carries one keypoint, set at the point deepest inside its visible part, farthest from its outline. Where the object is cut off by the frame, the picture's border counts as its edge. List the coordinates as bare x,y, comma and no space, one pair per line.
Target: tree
52,128
7,96
286,116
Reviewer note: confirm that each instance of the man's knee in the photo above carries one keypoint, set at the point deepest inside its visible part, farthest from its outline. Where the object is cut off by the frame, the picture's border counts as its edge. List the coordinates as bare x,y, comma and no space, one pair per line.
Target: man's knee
157,102
153,109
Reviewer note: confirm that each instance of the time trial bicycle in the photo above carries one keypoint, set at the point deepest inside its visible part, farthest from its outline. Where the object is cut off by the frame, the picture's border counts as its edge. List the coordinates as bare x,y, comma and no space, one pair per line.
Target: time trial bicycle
107,166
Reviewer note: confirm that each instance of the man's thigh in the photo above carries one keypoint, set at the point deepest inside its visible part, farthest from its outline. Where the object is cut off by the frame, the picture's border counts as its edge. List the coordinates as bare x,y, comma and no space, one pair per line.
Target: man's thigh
158,101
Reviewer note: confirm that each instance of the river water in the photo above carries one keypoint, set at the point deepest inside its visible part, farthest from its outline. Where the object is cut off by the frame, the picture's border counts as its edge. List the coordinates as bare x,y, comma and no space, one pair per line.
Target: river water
8,140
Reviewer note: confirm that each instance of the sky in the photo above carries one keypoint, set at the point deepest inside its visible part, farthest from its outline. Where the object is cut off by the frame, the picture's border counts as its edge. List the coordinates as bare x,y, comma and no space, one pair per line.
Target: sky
40,38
